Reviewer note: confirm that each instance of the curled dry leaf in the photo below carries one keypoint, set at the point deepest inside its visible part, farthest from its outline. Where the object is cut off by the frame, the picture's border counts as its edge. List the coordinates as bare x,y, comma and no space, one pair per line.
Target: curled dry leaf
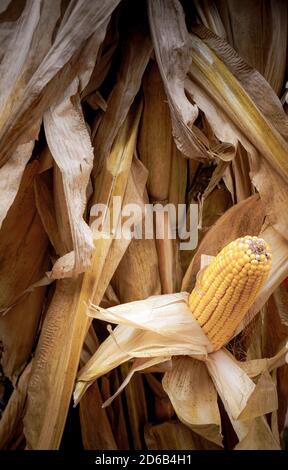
71,148
173,50
60,64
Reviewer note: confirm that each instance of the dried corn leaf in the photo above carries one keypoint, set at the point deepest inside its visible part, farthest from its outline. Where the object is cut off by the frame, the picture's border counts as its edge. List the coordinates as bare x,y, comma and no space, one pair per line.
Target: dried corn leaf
14,410
137,407
9,14
172,46
258,32
262,119
137,275
136,52
18,329
43,187
133,195
167,246
10,177
94,437
103,61
66,58
208,14
237,177
70,145
66,323
95,427
157,150
23,243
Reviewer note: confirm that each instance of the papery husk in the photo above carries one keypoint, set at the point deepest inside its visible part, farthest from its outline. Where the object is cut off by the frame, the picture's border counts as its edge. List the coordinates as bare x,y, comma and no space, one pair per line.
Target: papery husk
173,435
140,337
245,217
195,406
20,119
13,413
66,323
23,243
259,437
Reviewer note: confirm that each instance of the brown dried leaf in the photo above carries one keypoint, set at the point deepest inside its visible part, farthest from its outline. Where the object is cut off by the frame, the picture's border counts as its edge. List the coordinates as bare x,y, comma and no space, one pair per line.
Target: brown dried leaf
23,243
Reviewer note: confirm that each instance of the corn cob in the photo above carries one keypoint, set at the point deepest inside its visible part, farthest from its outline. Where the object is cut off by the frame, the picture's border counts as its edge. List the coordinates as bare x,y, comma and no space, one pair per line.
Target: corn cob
228,287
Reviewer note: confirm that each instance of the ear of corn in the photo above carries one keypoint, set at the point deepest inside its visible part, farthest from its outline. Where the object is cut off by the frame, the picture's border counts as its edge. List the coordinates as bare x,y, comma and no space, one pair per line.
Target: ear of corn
227,288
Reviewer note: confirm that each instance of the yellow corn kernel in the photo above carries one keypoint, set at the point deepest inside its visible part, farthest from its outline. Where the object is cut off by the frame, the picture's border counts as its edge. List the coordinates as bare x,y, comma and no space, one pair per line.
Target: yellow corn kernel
229,285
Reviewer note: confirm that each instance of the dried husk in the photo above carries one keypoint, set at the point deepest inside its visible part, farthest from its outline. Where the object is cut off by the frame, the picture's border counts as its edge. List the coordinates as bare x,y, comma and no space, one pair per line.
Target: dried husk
173,435
240,219
159,325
